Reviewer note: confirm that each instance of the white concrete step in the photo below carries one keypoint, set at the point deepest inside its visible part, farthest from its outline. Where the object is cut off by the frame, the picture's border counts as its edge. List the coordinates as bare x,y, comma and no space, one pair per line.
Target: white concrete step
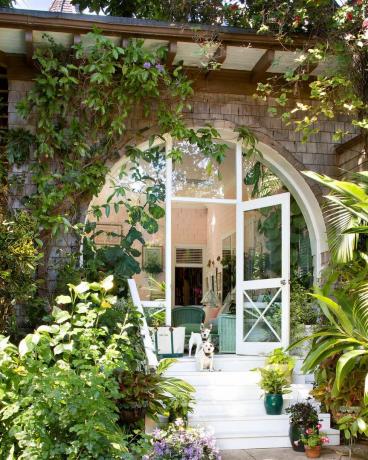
241,390
239,407
186,367
278,425
219,378
225,377
261,439
229,402
232,363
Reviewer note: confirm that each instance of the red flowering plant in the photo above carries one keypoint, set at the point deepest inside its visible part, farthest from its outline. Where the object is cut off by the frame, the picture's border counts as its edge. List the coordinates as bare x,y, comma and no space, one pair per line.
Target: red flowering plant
313,438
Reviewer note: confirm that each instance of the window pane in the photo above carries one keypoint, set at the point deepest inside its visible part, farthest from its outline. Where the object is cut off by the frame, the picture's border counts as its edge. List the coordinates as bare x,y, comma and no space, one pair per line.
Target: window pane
138,179
262,243
197,176
262,315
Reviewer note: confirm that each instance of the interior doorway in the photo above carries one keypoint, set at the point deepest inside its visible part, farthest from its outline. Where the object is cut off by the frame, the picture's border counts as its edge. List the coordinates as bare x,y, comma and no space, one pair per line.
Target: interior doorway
188,285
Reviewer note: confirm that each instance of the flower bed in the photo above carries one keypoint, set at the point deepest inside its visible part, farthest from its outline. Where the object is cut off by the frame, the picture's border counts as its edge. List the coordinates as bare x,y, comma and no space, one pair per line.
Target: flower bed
181,443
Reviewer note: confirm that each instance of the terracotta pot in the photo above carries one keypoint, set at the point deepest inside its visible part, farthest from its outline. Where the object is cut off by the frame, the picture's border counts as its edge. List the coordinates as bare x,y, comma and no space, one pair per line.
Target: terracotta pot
211,313
313,452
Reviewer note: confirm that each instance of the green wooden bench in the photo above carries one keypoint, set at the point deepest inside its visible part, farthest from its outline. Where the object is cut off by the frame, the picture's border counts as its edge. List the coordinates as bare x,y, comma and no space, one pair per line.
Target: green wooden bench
191,318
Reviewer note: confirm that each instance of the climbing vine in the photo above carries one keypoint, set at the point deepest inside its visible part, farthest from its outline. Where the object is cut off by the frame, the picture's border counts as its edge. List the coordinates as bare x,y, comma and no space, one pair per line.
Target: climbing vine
82,105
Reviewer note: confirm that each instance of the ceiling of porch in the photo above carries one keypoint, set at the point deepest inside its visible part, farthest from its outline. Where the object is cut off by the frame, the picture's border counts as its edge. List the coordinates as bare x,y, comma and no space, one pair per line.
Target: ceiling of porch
232,51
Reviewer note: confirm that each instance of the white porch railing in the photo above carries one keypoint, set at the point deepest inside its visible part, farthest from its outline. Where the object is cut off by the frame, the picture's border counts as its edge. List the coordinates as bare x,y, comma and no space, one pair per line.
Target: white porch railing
146,336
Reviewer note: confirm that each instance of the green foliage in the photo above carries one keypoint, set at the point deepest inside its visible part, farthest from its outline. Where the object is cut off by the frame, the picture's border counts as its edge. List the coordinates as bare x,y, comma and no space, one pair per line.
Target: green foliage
345,335
274,381
302,414
280,360
18,143
75,354
353,424
152,267
81,100
154,393
346,212
351,393
20,252
333,33
62,389
313,438
168,10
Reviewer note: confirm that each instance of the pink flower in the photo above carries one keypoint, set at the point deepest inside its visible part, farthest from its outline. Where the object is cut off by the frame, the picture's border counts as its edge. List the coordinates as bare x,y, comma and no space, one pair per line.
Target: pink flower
309,431
325,439
365,23
319,426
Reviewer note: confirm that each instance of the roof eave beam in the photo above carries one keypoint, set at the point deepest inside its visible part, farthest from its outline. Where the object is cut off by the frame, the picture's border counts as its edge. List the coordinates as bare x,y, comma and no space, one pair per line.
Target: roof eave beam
29,47
262,66
171,53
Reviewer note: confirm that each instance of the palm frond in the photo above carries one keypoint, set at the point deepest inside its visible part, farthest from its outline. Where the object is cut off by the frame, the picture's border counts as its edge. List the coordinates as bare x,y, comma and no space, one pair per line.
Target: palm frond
360,312
347,210
340,220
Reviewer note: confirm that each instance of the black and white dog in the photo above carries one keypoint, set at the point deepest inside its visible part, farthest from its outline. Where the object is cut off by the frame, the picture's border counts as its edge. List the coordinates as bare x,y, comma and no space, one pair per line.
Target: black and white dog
198,338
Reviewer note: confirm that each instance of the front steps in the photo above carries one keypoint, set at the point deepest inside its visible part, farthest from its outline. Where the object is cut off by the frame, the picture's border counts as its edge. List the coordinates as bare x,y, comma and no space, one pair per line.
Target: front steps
229,403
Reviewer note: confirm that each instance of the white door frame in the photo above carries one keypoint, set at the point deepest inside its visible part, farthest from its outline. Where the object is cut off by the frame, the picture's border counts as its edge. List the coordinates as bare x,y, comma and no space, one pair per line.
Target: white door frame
282,283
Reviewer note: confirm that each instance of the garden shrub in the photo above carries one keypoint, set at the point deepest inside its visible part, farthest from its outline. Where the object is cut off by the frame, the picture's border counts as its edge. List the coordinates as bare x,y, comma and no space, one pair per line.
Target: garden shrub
20,252
63,387
57,389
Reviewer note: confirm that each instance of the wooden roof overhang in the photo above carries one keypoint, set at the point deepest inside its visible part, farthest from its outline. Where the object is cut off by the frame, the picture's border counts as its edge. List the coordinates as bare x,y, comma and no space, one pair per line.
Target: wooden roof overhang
244,57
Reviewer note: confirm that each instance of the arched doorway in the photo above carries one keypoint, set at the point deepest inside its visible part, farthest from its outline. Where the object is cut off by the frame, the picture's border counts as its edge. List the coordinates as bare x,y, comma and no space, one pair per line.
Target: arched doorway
199,231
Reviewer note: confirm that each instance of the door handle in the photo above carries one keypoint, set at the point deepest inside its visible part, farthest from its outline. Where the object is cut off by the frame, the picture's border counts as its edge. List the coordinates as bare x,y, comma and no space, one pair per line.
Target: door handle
283,282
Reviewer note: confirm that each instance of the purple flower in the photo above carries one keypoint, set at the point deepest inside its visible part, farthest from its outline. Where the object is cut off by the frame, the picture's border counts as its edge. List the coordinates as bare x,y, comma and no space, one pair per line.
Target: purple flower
147,65
160,67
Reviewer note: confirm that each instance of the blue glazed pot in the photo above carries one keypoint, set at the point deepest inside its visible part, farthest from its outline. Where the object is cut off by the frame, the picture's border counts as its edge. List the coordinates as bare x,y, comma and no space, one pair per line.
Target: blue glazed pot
273,404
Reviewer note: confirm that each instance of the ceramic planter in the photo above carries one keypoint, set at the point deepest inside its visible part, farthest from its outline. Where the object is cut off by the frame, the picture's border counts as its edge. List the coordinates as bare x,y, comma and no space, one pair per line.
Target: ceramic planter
295,432
313,452
273,404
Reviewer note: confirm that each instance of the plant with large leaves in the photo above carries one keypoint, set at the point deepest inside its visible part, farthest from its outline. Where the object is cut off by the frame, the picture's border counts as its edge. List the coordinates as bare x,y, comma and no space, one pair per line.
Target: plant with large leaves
346,335
346,212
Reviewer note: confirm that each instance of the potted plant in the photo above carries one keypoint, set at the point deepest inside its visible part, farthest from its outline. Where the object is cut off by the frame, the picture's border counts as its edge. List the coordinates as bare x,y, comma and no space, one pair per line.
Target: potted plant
302,416
149,394
275,384
137,391
313,441
280,360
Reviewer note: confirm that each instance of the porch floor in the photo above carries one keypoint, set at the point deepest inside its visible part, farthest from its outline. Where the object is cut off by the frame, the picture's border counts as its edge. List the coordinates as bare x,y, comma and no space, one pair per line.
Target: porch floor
331,453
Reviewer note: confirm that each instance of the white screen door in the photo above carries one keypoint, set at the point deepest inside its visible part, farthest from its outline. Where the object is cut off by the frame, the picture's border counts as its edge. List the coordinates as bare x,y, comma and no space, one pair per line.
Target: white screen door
263,274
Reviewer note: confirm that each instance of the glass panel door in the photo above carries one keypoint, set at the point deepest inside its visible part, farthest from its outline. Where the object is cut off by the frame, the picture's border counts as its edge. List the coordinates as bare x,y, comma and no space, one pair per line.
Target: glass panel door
263,273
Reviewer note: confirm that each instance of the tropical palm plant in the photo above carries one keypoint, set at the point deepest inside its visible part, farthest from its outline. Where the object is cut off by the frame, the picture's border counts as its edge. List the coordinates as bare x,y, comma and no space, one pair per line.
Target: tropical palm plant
346,212
346,334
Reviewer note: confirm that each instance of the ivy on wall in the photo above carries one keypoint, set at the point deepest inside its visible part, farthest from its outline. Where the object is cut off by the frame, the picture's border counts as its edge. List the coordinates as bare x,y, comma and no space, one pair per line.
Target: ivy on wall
80,108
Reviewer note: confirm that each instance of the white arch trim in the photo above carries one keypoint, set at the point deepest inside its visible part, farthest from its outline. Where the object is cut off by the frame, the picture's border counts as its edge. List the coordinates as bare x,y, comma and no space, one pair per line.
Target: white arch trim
305,198
290,177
